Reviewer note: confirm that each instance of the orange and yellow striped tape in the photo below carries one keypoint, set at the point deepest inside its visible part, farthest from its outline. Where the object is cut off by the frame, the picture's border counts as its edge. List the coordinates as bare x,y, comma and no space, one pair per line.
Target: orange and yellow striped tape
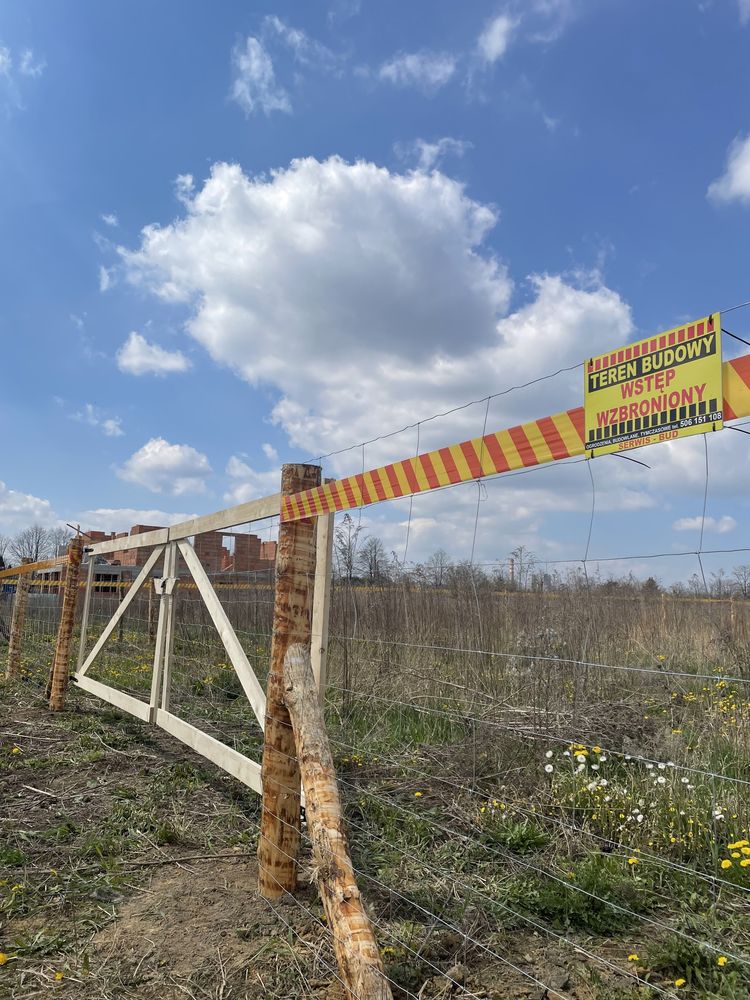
535,443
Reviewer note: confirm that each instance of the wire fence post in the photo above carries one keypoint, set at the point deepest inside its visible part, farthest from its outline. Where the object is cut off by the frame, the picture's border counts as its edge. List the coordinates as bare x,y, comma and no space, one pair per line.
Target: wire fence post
354,943
18,618
60,664
322,601
85,613
278,845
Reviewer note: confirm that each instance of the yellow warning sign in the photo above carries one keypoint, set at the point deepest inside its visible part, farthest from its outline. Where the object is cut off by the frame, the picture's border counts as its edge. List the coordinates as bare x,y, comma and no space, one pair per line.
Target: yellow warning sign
658,389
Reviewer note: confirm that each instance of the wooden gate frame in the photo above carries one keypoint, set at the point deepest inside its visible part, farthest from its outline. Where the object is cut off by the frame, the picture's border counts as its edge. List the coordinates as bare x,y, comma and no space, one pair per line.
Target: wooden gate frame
171,543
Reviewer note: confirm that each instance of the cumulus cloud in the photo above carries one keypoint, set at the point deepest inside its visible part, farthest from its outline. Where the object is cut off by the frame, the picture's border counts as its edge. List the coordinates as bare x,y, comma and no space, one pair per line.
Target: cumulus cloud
167,468
105,278
19,510
254,86
734,183
495,38
93,416
246,483
714,525
139,357
123,518
382,289
109,219
428,71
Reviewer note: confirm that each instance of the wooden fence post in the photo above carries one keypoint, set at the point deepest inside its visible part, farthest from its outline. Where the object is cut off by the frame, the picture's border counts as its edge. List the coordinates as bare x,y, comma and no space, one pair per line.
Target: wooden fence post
18,617
354,944
61,662
278,845
322,601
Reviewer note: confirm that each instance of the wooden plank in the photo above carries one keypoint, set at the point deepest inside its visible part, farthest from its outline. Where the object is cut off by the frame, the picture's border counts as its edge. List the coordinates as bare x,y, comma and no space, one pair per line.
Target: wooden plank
236,653
157,671
229,760
123,607
322,601
32,567
253,510
126,702
85,614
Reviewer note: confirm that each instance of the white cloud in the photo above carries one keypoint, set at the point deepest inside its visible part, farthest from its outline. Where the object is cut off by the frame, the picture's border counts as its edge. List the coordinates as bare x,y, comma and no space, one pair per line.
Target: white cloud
716,526
167,468
29,67
123,518
381,289
109,219
93,416
6,62
139,357
428,71
306,50
270,452
105,278
495,38
184,187
734,183
431,154
744,6
19,510
247,483
255,87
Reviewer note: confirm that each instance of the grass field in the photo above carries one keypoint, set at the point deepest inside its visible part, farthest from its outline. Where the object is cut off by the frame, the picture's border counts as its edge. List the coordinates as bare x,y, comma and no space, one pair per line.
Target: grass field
564,809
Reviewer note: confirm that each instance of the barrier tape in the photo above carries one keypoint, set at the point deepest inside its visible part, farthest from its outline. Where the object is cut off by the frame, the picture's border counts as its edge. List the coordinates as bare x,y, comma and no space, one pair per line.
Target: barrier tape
537,442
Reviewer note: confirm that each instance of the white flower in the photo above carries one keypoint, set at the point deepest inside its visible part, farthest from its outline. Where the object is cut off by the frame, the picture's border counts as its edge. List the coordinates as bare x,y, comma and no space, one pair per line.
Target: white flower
650,766
548,768
603,782
550,753
639,818
685,780
591,786
579,768
628,756
661,766
602,759
581,758
594,767
566,753
661,780
607,798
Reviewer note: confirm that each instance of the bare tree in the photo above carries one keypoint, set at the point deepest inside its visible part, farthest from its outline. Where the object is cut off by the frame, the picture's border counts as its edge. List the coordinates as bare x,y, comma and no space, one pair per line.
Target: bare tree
345,539
371,560
741,576
4,547
31,543
58,540
524,562
437,567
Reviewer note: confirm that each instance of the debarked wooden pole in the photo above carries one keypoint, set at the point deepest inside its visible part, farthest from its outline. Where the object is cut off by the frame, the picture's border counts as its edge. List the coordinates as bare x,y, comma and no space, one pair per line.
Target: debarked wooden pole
355,947
15,643
278,845
61,662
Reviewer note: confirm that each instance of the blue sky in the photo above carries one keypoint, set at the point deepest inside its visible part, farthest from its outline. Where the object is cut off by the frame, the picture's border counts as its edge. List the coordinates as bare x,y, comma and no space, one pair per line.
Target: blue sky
361,214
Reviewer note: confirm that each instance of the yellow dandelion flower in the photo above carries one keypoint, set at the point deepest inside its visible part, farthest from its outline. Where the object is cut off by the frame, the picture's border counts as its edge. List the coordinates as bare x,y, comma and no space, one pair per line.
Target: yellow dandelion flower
16,750
745,862
726,863
59,976
721,961
597,749
736,854
4,958
16,888
632,861
680,982
633,957
418,795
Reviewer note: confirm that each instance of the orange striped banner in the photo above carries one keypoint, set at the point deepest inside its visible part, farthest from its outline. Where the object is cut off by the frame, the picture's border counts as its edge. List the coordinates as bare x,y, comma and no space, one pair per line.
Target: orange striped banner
548,439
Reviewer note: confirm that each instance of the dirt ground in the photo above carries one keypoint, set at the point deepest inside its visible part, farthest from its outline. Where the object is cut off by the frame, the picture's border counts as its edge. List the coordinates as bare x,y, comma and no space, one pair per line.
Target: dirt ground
127,869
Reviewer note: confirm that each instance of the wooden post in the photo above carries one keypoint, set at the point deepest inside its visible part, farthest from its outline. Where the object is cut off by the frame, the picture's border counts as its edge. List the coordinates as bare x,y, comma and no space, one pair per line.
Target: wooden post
278,845
85,613
152,610
356,950
322,601
61,665
18,617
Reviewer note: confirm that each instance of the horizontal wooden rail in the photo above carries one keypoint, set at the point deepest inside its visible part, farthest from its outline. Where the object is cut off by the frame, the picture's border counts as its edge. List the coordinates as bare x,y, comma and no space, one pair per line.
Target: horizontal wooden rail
253,510
32,567
537,442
